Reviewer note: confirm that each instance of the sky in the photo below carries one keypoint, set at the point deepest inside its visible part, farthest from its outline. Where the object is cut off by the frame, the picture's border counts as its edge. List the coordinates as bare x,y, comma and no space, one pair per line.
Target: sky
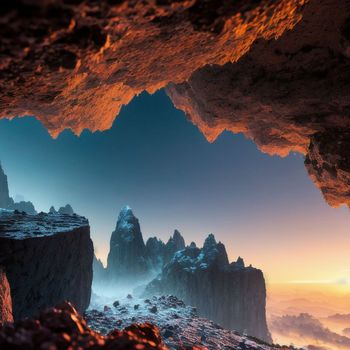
263,208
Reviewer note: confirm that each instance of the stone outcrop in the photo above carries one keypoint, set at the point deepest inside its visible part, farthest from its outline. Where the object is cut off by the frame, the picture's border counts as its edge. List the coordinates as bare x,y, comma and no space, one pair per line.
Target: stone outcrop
230,294
47,259
287,95
155,249
81,61
159,254
129,258
63,328
5,300
66,210
127,255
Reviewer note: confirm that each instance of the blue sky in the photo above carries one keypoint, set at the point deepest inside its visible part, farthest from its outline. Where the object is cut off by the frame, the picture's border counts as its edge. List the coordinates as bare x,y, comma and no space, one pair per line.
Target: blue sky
263,208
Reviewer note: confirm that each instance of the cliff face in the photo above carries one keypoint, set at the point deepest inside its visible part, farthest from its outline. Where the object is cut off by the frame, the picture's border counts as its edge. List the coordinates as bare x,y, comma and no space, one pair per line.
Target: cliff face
127,254
159,254
47,259
5,300
130,258
230,294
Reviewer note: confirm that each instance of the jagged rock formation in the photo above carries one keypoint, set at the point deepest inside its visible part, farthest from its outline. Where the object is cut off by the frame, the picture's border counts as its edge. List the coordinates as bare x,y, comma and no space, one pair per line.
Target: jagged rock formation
155,249
230,294
66,210
6,202
80,61
127,254
159,254
289,94
5,300
47,259
130,258
63,328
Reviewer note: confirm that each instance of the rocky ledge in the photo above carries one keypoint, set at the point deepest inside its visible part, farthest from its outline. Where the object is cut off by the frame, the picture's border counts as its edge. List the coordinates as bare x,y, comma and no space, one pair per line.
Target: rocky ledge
179,325
47,259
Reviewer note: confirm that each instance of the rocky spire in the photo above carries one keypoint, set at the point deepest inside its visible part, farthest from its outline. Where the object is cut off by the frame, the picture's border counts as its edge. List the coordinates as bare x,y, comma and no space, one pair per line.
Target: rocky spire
127,255
215,253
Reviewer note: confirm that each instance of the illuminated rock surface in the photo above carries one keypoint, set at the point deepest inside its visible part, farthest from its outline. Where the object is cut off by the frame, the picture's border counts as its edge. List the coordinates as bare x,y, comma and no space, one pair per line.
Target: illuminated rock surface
47,259
73,64
5,300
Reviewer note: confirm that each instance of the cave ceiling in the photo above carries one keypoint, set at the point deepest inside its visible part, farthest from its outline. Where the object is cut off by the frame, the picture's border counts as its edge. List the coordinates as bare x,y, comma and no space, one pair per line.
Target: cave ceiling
277,71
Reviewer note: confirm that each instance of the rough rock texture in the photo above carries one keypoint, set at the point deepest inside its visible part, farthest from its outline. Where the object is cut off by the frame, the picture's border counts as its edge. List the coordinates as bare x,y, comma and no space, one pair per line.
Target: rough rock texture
179,325
230,294
127,255
155,249
63,328
73,64
5,300
159,254
47,259
290,94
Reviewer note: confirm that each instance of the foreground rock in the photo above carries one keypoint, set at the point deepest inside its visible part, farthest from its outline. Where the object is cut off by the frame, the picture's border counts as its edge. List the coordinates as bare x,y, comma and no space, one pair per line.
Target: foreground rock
230,294
47,259
179,325
63,328
5,300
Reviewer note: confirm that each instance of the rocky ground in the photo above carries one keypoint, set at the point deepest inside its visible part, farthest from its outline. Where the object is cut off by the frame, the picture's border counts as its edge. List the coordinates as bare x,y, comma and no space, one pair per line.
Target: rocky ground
180,326
62,328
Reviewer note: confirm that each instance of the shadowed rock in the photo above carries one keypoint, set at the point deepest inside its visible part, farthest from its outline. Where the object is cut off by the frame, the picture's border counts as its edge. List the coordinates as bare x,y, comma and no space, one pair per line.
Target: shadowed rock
47,259
230,294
